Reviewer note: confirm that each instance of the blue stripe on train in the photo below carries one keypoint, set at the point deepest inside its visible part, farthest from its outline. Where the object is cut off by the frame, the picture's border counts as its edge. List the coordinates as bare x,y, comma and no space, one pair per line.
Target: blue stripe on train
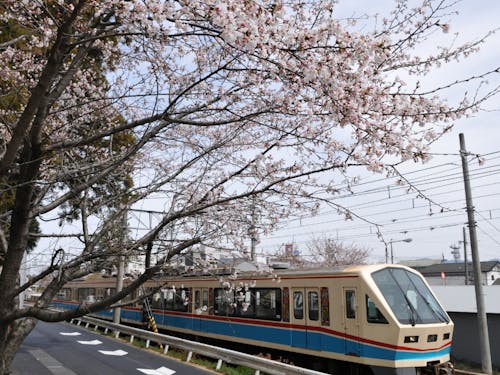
298,338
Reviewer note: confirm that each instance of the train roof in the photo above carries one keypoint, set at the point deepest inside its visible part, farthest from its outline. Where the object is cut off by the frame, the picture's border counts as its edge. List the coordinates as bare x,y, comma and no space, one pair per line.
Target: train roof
340,270
362,269
354,269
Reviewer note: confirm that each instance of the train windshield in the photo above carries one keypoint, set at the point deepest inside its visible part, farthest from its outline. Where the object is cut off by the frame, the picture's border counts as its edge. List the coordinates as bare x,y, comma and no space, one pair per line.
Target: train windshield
409,298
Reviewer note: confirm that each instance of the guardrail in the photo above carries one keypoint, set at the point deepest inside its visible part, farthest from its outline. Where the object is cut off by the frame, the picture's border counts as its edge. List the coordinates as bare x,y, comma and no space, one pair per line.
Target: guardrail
220,354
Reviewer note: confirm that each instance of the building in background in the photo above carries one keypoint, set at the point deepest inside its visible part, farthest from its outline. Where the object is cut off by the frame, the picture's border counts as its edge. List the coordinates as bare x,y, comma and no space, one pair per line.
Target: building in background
454,273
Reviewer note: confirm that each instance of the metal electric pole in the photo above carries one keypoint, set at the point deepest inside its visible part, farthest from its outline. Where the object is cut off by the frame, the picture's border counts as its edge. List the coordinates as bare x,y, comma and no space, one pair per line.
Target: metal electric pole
484,343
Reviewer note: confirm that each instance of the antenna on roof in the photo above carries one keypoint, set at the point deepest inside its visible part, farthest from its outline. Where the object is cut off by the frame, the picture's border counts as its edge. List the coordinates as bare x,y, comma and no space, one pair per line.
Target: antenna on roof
455,252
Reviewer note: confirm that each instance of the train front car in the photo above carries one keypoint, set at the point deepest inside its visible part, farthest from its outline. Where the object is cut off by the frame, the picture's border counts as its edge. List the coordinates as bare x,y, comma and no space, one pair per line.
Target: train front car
402,310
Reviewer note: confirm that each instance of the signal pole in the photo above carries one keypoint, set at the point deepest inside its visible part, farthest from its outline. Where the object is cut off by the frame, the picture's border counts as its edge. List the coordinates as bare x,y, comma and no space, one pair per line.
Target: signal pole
484,343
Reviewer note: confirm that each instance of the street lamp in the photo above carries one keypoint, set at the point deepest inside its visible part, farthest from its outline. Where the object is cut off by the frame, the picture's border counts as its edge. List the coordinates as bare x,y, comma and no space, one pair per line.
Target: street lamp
392,253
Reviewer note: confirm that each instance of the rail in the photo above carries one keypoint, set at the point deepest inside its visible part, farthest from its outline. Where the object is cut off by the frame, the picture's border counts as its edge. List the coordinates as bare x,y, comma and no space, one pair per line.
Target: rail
220,354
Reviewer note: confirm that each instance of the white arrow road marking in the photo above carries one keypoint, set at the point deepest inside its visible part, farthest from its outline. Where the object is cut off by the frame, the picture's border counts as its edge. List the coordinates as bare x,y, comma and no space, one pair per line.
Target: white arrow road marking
158,371
116,352
93,342
70,333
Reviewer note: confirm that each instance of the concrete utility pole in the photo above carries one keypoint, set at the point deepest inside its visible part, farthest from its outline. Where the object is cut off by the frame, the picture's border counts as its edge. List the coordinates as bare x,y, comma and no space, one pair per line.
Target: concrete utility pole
465,257
121,268
484,343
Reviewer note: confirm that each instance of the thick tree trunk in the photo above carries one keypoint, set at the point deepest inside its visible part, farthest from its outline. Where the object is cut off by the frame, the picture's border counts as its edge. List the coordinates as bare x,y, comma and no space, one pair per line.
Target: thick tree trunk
11,338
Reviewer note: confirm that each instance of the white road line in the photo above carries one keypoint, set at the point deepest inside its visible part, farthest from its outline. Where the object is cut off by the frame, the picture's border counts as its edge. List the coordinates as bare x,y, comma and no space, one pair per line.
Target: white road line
93,342
70,333
115,352
158,371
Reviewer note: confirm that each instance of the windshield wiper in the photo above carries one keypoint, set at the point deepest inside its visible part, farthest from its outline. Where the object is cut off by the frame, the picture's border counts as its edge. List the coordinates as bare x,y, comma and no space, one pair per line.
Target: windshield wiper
413,311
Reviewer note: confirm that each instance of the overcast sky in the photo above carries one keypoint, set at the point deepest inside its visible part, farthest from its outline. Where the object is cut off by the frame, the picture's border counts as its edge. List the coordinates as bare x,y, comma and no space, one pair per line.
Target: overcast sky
401,214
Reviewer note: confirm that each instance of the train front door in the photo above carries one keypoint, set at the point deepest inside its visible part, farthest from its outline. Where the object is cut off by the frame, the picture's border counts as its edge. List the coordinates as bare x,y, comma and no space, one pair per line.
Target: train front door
351,321
305,316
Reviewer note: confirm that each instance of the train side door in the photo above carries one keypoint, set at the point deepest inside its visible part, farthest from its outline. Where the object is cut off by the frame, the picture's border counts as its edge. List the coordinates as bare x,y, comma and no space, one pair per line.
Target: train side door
298,318
305,316
200,308
351,321
313,318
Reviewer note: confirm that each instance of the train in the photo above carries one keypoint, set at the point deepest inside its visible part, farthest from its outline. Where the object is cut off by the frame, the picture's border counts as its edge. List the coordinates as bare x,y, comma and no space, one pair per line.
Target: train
375,319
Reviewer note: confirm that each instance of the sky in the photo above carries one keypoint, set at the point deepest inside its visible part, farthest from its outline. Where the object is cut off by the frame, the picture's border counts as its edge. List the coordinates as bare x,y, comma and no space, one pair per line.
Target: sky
436,224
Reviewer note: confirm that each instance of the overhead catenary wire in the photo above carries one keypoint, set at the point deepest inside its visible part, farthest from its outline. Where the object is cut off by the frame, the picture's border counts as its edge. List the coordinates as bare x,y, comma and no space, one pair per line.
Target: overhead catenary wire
384,190
436,184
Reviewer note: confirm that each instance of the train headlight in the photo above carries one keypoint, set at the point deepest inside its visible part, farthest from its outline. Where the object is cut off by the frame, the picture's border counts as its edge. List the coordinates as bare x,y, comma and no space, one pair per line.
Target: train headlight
411,339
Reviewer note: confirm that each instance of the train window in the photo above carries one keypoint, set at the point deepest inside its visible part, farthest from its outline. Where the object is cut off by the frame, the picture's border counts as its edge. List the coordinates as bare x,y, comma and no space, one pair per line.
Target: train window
156,300
350,304
244,304
86,295
175,300
223,301
409,298
325,307
313,304
64,294
197,299
298,305
211,301
168,296
373,314
205,298
264,303
182,300
267,303
100,294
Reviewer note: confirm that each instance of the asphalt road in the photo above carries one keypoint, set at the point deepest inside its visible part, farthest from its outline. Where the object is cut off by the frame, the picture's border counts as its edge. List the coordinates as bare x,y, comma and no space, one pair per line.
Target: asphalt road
65,349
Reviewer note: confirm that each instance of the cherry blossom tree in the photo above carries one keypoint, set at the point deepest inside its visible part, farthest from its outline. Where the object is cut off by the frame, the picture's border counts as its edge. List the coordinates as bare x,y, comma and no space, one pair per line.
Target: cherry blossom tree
219,108
329,252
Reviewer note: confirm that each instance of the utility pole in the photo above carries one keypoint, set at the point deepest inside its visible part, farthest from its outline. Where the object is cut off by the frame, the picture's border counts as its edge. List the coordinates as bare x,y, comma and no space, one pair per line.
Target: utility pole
253,232
121,267
484,343
465,257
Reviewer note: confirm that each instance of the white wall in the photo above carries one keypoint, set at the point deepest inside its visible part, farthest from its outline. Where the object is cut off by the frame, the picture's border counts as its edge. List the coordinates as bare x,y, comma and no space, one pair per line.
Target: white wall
463,298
